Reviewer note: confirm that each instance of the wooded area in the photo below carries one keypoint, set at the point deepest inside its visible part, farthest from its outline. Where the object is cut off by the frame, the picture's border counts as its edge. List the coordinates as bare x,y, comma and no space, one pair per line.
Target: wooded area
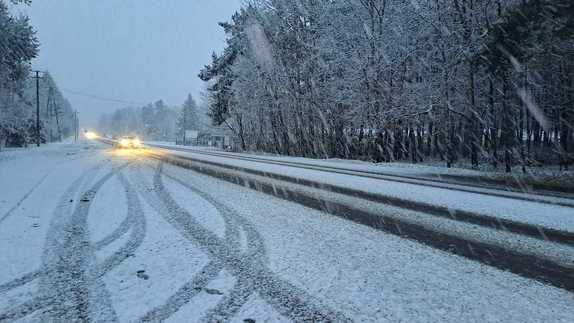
18,47
155,121
481,82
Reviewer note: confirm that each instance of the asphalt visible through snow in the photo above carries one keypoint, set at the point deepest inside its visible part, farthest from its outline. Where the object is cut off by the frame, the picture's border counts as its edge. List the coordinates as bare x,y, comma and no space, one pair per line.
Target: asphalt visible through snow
118,236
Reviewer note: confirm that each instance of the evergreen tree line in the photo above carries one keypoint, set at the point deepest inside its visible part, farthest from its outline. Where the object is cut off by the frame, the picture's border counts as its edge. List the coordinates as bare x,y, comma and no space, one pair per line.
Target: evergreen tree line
155,121
18,47
480,82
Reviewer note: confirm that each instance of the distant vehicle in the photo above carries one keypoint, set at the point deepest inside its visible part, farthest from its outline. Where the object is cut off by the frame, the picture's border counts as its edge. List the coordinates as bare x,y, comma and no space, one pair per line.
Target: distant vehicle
129,142
91,135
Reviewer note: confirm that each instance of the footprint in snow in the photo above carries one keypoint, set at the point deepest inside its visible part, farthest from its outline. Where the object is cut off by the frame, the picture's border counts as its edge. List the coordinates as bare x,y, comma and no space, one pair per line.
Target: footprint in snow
213,291
142,275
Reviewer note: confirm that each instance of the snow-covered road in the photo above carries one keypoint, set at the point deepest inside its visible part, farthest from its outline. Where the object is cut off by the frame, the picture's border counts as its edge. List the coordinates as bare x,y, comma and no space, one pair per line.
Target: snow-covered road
88,233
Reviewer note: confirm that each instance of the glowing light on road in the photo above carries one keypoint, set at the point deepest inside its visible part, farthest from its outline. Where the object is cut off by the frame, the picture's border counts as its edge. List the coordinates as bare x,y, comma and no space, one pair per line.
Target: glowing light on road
125,142
136,143
91,135
131,154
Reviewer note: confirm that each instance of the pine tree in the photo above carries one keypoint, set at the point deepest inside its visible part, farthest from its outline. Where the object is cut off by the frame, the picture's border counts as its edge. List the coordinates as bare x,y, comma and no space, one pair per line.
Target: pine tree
188,117
18,46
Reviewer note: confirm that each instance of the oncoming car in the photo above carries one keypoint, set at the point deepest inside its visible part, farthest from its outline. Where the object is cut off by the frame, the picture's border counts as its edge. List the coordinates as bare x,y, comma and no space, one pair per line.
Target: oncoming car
129,142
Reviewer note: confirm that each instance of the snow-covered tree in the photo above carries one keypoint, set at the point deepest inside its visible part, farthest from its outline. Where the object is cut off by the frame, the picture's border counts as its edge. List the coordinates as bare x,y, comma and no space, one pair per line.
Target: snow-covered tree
188,118
154,121
483,81
18,46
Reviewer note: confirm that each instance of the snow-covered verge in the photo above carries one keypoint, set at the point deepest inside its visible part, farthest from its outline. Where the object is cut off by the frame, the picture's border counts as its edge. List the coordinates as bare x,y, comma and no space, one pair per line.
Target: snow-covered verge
539,178
525,211
190,147
24,169
549,178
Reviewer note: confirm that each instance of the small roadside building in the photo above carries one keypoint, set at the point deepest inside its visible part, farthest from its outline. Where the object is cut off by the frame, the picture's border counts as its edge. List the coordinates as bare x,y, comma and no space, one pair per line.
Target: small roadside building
217,137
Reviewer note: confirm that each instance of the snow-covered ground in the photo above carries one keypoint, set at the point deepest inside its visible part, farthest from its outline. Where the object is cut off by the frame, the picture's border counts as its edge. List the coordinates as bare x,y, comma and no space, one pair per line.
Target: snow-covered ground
91,233
435,170
525,211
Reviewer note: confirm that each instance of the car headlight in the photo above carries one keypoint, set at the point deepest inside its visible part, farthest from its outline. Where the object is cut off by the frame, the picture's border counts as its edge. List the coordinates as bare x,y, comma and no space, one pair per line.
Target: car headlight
124,142
136,142
91,135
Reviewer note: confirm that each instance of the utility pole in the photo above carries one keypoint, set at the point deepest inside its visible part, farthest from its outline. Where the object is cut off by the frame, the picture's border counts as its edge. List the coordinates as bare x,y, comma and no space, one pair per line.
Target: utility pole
77,122
37,77
49,115
184,124
54,112
57,113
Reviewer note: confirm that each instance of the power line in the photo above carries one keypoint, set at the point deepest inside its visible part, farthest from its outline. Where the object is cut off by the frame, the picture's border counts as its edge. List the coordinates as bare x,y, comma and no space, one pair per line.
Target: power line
100,98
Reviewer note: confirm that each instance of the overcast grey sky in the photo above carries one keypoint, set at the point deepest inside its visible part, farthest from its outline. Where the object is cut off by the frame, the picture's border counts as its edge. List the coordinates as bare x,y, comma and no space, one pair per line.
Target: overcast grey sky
135,50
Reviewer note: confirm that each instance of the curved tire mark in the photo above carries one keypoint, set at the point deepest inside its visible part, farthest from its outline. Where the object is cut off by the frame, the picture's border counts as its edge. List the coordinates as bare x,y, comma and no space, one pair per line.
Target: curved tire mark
64,208
119,232
286,298
73,286
231,304
24,310
184,294
242,289
137,223
190,289
29,277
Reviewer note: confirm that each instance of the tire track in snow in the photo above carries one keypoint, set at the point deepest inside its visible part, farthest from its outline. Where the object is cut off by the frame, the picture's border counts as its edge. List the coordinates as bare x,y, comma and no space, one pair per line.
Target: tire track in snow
25,279
184,294
64,208
73,285
135,221
242,289
23,310
201,280
255,242
286,298
231,303
69,286
119,232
